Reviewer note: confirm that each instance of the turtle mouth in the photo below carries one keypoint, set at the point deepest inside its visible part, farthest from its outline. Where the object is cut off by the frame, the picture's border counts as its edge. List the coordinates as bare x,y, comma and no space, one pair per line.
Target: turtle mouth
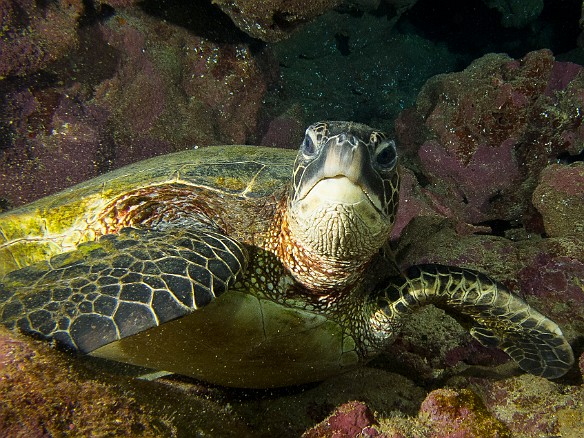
340,189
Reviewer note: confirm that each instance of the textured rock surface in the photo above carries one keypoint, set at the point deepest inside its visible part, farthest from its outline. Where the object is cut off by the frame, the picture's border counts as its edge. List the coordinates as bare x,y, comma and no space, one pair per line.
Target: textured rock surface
45,393
350,419
36,34
273,20
516,13
355,68
134,87
491,129
459,413
40,395
559,198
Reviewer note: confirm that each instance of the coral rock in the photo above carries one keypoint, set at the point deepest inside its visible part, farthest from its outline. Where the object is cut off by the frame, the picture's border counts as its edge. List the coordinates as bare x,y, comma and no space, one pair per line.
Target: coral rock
348,420
559,198
516,13
40,395
491,129
273,20
531,406
459,414
35,34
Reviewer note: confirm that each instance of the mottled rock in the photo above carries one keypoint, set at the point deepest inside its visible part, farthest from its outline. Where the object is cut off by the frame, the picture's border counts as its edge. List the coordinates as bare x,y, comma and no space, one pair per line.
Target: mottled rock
135,87
273,20
350,419
491,129
178,88
459,413
58,141
415,201
559,198
40,395
285,131
360,69
35,34
45,392
516,13
530,406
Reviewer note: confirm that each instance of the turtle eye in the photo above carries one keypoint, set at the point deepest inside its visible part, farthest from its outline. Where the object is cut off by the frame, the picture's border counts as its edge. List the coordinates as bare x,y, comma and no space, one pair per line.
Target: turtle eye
386,155
308,147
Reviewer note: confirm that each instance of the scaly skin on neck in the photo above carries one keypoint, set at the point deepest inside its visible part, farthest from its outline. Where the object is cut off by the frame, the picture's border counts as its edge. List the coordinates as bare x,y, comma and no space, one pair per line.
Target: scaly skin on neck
318,272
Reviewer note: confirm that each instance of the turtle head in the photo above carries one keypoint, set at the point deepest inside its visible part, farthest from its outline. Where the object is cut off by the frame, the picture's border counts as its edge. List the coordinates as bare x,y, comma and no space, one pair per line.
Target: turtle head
344,193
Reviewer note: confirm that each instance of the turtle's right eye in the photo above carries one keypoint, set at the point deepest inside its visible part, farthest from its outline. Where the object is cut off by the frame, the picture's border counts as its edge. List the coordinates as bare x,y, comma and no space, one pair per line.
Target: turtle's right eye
308,147
386,155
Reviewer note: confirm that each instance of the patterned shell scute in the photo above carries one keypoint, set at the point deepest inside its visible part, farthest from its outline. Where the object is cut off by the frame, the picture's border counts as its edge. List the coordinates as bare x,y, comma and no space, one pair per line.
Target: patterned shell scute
119,285
62,221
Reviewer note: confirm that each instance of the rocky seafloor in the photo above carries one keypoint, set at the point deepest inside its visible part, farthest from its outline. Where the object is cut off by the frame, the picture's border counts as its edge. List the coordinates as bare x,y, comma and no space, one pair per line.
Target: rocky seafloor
492,179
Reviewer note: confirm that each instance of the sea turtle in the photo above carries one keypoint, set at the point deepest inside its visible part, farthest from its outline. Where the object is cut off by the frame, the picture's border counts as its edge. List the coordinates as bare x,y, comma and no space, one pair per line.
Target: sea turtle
244,266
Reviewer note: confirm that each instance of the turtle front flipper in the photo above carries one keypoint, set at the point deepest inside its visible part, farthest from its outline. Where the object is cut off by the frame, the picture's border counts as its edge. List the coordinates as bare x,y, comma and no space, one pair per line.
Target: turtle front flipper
499,317
120,285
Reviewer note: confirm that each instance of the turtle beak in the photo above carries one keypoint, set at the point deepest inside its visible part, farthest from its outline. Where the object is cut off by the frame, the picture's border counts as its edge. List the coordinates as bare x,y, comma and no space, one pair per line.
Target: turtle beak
343,156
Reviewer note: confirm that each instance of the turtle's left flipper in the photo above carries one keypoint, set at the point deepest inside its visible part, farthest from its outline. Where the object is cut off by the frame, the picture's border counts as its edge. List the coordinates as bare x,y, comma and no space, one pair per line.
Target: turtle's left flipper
120,284
500,318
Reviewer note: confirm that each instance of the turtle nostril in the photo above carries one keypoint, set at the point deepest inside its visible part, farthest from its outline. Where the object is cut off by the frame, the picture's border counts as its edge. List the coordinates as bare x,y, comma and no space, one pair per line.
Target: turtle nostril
347,138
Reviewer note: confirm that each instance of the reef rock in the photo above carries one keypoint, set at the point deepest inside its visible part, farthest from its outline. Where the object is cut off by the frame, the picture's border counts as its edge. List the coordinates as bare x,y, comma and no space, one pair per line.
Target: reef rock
34,34
273,20
40,395
516,13
350,419
461,413
134,87
490,130
531,406
559,198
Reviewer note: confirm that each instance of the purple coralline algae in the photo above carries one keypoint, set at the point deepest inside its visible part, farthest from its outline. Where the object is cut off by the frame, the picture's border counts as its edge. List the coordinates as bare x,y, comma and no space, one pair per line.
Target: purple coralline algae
348,420
130,87
490,130
35,34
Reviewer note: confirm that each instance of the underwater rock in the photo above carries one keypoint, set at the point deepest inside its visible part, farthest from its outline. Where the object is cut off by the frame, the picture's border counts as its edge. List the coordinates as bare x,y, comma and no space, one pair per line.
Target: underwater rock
350,419
58,140
285,130
35,34
552,281
273,20
41,395
45,392
178,88
135,87
358,68
532,406
559,198
490,130
414,201
459,413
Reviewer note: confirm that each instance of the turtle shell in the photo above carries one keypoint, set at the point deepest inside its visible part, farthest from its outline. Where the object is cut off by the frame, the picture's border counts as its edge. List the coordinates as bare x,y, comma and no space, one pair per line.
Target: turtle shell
60,222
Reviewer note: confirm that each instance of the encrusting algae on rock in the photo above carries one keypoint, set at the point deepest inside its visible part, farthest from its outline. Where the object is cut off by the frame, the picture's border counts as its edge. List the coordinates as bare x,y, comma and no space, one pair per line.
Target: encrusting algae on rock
43,394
